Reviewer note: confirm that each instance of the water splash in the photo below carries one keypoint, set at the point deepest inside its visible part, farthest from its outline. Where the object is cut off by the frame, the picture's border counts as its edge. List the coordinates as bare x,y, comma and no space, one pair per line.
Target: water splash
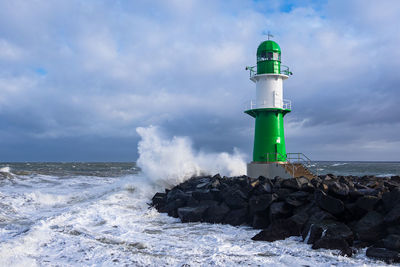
168,162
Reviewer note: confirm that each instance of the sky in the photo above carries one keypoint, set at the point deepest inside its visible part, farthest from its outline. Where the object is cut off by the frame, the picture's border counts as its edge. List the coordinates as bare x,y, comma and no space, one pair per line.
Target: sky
78,77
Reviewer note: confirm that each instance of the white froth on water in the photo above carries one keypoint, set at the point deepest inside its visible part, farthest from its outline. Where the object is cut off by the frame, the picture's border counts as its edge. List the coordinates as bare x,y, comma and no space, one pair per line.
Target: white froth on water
5,169
168,162
115,226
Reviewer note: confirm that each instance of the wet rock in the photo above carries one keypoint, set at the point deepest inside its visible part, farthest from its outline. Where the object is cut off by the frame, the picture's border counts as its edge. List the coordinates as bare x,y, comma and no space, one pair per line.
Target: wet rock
159,200
291,183
216,213
297,199
260,221
278,230
235,199
353,212
328,203
191,214
314,233
393,216
391,199
204,194
370,227
175,194
394,229
283,193
391,242
338,190
367,203
263,186
330,229
261,202
171,207
389,256
334,243
278,210
236,217
300,219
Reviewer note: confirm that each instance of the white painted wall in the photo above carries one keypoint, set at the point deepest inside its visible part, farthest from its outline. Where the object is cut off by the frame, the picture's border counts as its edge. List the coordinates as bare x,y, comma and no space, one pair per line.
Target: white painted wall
269,90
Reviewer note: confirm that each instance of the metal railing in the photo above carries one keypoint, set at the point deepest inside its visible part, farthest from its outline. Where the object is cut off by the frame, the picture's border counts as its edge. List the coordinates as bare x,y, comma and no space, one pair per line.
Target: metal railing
284,70
286,104
292,159
303,159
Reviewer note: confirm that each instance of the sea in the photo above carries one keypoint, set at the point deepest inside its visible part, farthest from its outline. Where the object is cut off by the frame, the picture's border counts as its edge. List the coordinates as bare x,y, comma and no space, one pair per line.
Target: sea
98,214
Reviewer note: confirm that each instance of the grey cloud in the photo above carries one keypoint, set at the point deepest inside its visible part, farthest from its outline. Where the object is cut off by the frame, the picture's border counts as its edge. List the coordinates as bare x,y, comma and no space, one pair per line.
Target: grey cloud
110,67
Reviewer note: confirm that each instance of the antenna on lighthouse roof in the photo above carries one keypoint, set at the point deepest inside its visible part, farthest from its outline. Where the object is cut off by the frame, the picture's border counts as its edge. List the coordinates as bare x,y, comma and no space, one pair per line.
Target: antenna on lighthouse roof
268,34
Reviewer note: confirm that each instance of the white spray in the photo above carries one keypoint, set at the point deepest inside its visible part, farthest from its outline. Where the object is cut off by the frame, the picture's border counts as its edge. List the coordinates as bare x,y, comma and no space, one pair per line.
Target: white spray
170,162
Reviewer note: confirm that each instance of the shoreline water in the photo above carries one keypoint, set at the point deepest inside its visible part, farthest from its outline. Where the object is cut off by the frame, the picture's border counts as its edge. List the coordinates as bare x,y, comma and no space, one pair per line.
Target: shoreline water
97,214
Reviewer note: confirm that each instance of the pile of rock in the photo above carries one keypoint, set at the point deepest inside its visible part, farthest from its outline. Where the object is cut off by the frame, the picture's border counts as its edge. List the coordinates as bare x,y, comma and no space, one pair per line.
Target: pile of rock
330,212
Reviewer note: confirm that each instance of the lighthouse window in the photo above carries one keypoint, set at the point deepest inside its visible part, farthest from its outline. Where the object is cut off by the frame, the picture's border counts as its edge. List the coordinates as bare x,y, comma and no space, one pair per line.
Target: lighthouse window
268,56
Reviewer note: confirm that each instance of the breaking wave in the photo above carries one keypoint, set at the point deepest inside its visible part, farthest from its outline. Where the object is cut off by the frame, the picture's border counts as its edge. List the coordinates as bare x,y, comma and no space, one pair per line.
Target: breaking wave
168,162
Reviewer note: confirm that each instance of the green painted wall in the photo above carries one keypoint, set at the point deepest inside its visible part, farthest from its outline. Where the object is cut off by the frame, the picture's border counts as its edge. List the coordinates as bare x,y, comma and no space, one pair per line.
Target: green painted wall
269,138
268,58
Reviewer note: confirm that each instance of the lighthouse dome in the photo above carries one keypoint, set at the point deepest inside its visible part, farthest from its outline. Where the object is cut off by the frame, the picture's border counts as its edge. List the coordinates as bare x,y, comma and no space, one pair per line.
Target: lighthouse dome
268,58
268,46
268,50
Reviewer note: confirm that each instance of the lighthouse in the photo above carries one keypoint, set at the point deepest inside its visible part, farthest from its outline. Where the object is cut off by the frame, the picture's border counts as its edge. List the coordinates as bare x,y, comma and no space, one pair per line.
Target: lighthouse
269,109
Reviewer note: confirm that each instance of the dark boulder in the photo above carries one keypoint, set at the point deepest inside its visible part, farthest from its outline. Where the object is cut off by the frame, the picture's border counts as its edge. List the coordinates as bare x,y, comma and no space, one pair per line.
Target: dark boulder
291,183
175,194
370,228
159,200
394,229
334,243
262,186
389,256
278,210
191,214
203,194
367,203
216,213
300,219
216,193
282,193
353,212
235,199
338,190
393,216
391,242
171,207
261,202
330,229
391,199
278,230
328,203
314,233
260,221
236,217
297,199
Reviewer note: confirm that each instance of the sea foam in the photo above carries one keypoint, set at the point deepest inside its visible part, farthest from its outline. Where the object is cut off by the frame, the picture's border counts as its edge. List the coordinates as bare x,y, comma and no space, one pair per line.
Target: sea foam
168,162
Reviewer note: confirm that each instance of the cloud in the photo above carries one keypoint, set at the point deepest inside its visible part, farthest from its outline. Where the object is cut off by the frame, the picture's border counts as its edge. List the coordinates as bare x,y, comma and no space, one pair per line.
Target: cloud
72,70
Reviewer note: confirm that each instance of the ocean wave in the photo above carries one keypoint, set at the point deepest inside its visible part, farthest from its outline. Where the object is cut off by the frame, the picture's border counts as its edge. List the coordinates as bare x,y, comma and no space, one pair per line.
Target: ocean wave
339,164
171,161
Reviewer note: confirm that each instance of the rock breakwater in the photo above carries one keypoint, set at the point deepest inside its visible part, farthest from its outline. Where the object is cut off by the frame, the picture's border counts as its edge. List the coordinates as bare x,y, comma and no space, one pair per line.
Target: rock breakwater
330,212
